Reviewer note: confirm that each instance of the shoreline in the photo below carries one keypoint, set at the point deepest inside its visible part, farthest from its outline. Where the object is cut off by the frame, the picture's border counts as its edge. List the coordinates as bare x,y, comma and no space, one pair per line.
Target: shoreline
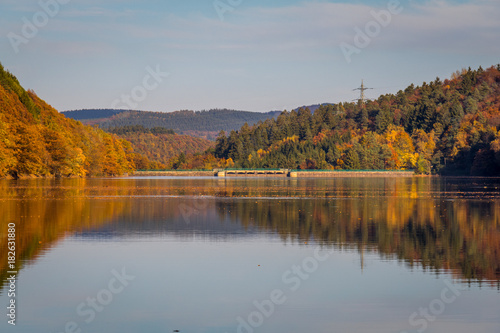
284,174
261,173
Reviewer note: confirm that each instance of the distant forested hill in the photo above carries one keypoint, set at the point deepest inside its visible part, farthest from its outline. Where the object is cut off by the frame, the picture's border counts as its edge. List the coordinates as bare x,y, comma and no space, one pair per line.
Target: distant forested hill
92,113
204,124
446,127
36,140
158,145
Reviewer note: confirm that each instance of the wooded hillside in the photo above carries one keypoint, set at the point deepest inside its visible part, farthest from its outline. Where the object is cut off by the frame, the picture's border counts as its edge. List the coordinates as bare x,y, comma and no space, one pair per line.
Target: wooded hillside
158,145
36,140
447,127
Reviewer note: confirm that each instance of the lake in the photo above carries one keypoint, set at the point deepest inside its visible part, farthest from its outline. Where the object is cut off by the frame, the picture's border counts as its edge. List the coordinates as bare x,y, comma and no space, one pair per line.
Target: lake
270,255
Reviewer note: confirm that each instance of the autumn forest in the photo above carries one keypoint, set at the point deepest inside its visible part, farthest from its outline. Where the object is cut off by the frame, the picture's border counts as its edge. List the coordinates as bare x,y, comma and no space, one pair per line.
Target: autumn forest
445,127
449,127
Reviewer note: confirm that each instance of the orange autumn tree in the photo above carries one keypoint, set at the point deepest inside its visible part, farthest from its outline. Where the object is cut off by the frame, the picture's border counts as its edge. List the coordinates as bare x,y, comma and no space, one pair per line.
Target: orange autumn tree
36,140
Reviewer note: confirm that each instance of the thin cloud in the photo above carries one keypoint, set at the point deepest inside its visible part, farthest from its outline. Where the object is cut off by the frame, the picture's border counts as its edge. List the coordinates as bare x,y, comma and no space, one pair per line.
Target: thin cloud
274,51
315,25
308,26
94,12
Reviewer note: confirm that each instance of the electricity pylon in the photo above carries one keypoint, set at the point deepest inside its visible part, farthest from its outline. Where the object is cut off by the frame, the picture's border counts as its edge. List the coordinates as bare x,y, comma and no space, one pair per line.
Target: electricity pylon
362,97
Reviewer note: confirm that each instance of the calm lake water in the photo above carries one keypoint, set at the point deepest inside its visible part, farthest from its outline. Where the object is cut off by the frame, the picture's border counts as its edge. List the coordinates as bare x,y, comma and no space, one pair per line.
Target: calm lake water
248,255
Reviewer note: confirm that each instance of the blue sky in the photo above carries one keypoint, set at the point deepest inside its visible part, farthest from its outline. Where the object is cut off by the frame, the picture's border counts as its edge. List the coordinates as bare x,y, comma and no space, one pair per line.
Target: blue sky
263,55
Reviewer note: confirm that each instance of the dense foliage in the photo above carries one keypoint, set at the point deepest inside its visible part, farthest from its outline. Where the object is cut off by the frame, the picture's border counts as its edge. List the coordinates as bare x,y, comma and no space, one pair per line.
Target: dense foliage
36,140
450,127
157,147
204,124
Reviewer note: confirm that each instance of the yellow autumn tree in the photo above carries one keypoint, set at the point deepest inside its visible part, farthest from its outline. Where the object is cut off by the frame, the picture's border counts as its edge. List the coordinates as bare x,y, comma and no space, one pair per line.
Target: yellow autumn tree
229,163
424,143
402,148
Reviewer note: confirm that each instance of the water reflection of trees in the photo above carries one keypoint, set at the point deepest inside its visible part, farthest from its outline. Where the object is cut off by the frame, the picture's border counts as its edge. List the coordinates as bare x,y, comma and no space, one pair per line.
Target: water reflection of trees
41,223
420,221
458,235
